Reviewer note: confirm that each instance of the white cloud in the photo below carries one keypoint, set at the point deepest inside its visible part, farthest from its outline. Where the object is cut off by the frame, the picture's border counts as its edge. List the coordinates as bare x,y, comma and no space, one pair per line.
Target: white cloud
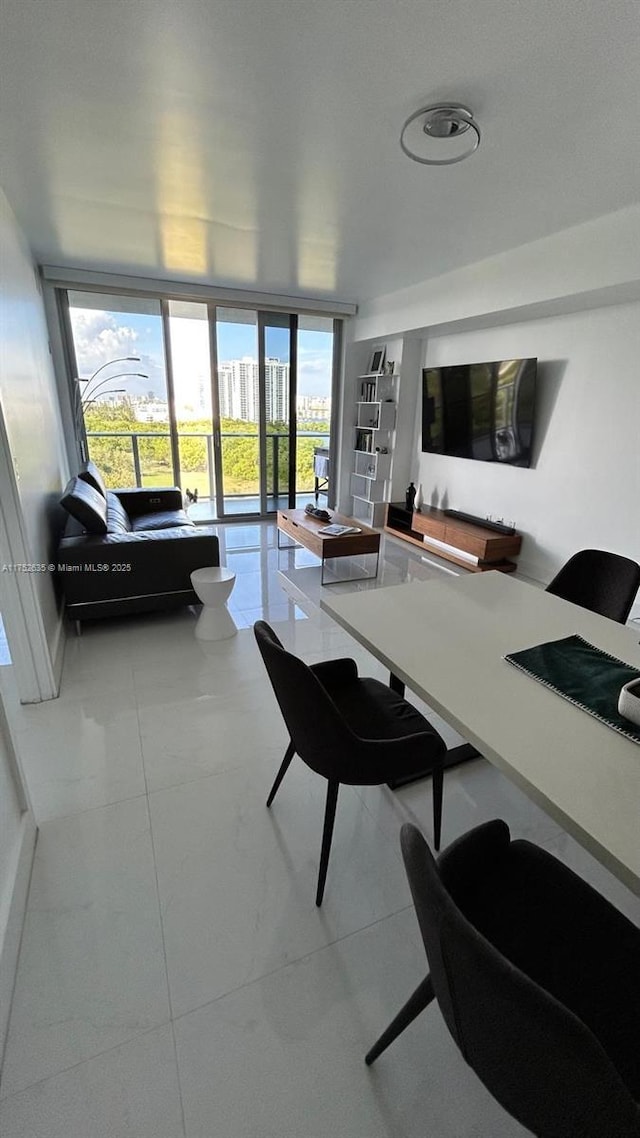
314,372
98,338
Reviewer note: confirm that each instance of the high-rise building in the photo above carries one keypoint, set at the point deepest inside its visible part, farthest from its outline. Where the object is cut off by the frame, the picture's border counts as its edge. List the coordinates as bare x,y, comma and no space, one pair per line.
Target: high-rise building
239,394
277,389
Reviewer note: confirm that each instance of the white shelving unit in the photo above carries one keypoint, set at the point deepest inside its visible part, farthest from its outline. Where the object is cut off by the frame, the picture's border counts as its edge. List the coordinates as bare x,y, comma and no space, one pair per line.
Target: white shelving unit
373,444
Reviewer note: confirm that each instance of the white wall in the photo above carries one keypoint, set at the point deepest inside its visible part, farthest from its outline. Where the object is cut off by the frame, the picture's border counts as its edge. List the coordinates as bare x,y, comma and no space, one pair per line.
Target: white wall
29,405
10,814
17,842
10,838
583,489
587,265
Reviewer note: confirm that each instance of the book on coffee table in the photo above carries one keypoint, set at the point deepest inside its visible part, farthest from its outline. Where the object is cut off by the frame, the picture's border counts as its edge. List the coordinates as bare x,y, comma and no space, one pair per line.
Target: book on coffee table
337,531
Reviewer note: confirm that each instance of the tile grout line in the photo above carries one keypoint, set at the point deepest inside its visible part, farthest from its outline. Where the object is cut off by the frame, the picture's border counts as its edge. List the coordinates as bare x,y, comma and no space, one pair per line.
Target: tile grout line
88,810
395,848
204,777
175,1053
162,936
155,877
290,963
81,1062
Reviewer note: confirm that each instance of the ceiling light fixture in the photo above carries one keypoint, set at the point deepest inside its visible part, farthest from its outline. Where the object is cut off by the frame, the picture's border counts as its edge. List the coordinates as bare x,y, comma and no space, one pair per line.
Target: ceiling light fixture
440,134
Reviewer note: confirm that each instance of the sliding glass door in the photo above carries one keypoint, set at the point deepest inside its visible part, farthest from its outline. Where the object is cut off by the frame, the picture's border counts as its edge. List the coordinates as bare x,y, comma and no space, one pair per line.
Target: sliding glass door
254,428
236,412
189,354
278,346
315,380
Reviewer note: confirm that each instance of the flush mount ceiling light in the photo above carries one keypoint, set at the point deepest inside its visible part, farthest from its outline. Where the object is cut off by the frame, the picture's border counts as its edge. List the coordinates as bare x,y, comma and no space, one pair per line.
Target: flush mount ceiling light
440,135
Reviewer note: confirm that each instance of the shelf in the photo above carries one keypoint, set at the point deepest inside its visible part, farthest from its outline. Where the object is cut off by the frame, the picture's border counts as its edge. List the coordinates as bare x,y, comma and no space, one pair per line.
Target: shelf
376,390
372,465
376,398
382,417
371,513
367,489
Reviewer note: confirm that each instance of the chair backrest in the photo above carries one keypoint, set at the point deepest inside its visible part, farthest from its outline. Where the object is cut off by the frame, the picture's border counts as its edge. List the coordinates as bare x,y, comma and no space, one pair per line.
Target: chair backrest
531,1052
603,582
318,731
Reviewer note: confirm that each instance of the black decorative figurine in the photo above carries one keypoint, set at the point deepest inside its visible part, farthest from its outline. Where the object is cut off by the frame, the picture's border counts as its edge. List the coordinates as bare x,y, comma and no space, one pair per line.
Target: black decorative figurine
410,496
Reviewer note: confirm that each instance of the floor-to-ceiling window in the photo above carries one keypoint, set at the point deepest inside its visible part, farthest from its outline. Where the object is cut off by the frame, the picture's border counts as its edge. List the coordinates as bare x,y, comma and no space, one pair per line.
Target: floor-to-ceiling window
237,435
279,356
121,383
228,403
315,351
187,332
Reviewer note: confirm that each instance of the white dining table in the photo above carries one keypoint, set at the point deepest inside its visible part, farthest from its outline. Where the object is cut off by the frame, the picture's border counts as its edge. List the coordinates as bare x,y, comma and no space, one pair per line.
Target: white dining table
446,640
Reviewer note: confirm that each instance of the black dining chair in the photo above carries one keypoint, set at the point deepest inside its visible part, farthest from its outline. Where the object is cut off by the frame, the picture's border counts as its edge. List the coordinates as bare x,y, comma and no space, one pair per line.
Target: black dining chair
603,582
348,729
538,980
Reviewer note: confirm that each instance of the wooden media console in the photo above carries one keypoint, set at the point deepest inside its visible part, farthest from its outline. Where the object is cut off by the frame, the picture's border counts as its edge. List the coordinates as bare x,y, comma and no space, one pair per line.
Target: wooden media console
471,545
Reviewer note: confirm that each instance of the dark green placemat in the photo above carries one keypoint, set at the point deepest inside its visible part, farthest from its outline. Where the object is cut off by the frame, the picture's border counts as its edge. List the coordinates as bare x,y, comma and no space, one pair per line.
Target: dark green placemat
583,674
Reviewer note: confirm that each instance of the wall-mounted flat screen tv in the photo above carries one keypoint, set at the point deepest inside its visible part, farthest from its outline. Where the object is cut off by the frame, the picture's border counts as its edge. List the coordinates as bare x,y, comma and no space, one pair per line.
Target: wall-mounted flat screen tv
482,411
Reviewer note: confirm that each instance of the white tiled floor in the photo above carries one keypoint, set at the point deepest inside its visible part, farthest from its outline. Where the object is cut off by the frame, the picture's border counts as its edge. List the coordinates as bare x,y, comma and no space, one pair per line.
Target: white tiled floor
175,976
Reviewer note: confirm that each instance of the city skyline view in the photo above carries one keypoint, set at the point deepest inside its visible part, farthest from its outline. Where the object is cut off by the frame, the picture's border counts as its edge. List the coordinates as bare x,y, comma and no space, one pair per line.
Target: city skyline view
101,336
238,392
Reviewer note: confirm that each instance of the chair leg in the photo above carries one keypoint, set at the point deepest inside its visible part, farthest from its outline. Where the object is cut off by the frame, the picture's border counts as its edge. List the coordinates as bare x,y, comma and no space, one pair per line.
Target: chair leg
416,1003
284,766
437,779
327,834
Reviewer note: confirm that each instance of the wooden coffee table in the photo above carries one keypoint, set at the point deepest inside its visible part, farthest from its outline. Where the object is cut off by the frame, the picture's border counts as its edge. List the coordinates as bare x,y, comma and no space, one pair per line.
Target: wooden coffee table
305,530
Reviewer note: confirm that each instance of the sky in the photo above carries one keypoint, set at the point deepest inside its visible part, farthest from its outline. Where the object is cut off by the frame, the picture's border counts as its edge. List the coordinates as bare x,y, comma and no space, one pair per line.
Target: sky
101,336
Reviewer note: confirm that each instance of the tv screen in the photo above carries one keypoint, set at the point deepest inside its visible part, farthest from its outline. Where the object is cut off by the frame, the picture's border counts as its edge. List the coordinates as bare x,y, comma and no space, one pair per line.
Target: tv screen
482,411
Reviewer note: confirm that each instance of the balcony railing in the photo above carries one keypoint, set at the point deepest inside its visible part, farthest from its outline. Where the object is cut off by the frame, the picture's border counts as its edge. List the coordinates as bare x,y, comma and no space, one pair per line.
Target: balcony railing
135,463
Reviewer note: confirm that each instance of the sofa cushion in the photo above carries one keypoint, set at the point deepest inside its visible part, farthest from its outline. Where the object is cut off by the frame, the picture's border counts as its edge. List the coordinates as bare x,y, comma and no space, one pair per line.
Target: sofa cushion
161,519
117,516
92,475
86,505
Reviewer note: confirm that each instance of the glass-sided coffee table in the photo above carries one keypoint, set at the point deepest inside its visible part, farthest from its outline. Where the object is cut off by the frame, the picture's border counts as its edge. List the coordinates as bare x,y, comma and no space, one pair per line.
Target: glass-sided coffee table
306,531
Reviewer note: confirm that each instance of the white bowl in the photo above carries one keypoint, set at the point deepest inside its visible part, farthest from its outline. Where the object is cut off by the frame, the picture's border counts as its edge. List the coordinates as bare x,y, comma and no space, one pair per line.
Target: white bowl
629,701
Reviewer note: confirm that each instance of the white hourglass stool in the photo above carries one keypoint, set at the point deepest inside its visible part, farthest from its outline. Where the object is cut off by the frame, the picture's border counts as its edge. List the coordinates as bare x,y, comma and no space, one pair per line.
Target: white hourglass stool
213,586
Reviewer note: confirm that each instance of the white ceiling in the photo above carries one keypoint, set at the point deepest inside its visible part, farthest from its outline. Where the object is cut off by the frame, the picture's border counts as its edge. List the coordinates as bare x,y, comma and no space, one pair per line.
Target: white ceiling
254,143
